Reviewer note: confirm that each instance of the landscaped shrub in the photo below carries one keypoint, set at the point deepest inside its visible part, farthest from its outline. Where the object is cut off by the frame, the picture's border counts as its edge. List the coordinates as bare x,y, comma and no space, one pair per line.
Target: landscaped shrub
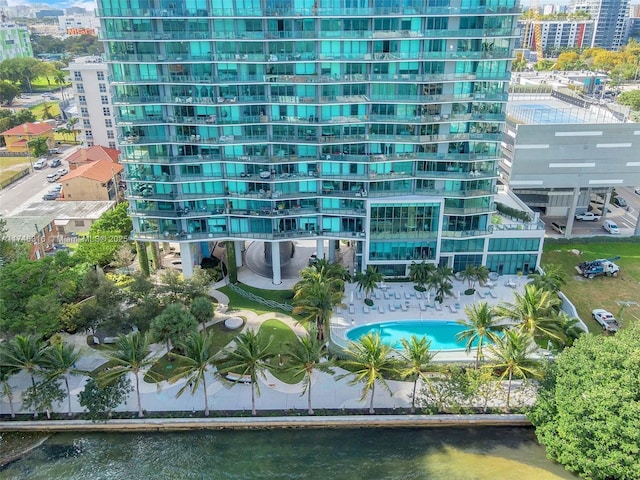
513,212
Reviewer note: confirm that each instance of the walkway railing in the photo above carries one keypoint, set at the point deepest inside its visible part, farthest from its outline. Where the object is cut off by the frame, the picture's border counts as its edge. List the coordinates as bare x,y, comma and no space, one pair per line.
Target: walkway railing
269,303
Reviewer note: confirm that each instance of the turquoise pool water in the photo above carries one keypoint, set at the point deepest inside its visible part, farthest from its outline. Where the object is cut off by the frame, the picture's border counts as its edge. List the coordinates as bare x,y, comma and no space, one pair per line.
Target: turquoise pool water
442,333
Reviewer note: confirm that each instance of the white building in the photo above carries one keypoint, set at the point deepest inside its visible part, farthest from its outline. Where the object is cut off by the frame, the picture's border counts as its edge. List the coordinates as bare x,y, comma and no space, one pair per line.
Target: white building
79,25
560,34
93,98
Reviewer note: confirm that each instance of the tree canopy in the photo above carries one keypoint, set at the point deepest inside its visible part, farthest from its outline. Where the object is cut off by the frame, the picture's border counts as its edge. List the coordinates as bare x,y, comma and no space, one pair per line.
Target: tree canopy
587,414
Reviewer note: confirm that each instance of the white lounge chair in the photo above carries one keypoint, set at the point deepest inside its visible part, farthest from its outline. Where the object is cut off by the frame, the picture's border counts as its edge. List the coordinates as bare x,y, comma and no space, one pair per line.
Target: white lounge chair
437,306
352,309
407,295
493,294
365,309
392,308
419,295
398,297
404,308
481,294
423,307
380,309
359,295
453,309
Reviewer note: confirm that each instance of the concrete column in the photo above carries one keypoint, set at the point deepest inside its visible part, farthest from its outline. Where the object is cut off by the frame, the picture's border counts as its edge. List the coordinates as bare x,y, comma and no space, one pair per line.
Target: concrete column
275,263
186,256
607,199
320,248
572,212
636,232
332,251
238,245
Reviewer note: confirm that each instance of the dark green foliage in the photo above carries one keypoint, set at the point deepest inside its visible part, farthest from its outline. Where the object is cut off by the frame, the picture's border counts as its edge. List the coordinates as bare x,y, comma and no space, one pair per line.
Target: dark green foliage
587,414
42,396
143,258
101,400
513,212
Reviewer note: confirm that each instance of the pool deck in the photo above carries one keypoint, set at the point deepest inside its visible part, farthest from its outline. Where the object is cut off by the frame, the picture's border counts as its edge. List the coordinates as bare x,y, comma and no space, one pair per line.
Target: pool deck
400,301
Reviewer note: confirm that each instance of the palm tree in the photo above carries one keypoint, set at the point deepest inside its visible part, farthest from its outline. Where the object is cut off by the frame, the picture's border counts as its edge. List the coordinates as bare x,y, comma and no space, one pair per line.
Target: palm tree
306,356
369,360
332,270
441,282
72,127
25,352
5,389
533,311
419,273
550,278
315,298
248,357
197,356
570,326
417,356
368,281
130,354
481,326
512,355
59,361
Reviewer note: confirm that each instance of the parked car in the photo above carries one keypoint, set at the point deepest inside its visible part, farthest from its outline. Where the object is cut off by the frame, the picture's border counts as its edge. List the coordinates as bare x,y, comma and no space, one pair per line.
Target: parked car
558,227
54,151
56,188
52,195
56,162
40,164
587,217
52,177
606,320
620,202
637,191
611,227
63,171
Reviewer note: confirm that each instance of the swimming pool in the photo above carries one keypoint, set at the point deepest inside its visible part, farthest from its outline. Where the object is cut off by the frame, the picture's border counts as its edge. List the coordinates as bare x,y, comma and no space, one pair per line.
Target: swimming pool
442,333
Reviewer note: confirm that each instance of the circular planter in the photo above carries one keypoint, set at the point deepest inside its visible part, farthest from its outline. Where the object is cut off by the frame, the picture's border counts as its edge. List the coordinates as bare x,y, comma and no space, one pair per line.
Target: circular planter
233,323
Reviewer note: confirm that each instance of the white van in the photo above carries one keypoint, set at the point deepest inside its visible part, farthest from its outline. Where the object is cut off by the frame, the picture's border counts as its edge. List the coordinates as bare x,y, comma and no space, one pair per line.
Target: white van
611,227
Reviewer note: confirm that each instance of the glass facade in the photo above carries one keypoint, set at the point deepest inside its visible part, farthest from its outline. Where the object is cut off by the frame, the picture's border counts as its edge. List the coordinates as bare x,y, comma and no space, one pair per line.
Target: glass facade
376,121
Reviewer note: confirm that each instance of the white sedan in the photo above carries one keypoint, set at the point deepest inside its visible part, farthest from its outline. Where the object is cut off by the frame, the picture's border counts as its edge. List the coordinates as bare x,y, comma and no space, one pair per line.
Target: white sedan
606,320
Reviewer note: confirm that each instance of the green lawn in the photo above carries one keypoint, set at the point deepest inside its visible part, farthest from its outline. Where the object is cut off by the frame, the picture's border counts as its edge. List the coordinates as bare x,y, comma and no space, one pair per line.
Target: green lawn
281,335
238,302
601,291
163,368
9,166
38,110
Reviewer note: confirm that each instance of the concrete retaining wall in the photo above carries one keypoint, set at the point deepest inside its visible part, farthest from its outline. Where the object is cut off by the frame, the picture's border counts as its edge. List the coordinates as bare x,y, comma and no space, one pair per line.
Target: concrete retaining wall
347,421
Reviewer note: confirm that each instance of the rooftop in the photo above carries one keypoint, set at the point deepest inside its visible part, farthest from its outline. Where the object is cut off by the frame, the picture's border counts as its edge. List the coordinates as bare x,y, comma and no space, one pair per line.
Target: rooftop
36,128
97,152
547,110
100,171
65,210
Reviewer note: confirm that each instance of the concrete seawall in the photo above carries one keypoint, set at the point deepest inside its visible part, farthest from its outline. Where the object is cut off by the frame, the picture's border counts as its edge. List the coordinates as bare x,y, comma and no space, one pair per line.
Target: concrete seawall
346,421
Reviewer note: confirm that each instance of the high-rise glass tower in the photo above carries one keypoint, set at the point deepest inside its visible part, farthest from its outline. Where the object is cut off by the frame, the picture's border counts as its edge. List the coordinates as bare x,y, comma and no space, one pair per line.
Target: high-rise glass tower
372,121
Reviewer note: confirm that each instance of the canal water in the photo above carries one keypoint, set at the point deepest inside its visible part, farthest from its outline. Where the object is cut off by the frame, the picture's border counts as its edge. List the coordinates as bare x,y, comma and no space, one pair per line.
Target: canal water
326,454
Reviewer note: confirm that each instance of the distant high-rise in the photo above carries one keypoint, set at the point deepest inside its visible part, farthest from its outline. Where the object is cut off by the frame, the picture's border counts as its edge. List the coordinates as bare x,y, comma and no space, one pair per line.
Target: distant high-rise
610,18
15,41
373,122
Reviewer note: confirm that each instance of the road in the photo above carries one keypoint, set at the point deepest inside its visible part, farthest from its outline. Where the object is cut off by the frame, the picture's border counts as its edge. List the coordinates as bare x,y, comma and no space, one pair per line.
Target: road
625,218
31,188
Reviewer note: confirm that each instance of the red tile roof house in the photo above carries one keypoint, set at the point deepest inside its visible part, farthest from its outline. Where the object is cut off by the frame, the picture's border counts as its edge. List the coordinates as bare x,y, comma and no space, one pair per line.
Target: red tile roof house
97,180
92,154
16,138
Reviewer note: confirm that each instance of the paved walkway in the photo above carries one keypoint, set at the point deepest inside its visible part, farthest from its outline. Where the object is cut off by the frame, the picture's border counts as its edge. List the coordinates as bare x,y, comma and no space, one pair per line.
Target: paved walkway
328,392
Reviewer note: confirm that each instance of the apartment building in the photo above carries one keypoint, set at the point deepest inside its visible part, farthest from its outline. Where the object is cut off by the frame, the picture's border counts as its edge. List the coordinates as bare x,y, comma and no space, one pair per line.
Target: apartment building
14,40
90,84
368,121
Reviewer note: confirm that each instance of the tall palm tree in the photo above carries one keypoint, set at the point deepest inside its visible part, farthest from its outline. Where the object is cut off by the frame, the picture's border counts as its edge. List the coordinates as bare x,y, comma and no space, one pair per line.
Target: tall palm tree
368,280
441,282
551,278
197,356
481,326
368,361
25,352
130,355
306,356
570,326
59,361
248,356
419,273
533,312
417,356
512,356
332,270
315,298
6,373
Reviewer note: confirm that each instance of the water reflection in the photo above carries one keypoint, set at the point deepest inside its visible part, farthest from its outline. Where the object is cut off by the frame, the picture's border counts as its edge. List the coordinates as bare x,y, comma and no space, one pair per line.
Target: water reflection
403,454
